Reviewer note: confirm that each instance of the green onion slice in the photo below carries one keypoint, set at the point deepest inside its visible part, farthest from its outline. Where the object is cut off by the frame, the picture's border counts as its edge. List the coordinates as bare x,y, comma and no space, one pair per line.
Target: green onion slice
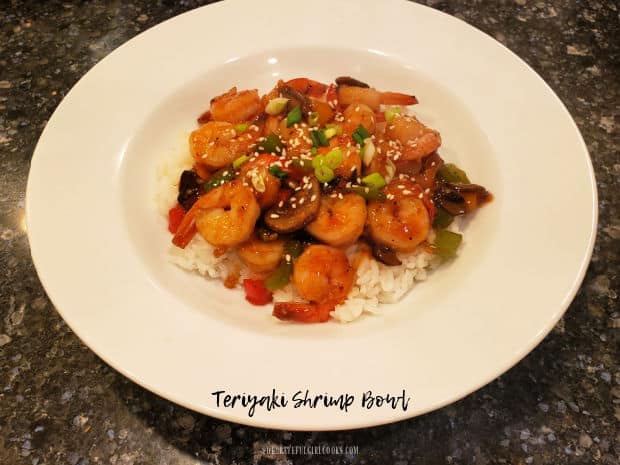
324,173
240,161
374,180
277,171
333,159
293,117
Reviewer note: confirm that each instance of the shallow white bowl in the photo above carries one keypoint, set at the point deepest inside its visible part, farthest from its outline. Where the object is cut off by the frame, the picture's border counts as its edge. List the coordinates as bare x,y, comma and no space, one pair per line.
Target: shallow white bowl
99,245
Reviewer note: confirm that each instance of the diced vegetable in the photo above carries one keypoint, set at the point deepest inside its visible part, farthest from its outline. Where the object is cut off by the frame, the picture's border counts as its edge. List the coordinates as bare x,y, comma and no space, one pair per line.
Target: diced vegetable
333,158
277,172
175,216
255,292
369,193
446,243
279,277
270,145
241,127
330,132
443,219
390,171
276,105
368,152
324,173
360,134
318,138
318,161
240,161
390,113
314,151
313,118
258,182
336,127
219,178
452,173
374,180
190,188
293,117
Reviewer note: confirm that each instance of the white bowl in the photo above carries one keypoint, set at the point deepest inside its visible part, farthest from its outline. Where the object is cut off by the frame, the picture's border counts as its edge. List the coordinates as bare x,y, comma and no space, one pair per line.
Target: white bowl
99,244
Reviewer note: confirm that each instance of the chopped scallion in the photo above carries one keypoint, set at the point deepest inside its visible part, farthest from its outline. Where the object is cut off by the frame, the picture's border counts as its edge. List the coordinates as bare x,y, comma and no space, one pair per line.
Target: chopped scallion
324,173
241,127
277,172
293,117
240,161
390,113
374,180
276,105
333,158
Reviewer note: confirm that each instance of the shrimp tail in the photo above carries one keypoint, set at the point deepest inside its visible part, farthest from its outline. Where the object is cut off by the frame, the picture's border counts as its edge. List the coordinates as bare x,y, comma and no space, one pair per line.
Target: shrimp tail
185,232
302,312
395,98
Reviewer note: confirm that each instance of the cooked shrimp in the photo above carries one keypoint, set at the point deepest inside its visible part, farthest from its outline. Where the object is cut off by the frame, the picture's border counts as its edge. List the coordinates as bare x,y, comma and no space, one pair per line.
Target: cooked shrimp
400,222
225,217
372,97
352,162
417,139
260,256
255,173
235,107
296,137
356,114
216,144
340,221
323,276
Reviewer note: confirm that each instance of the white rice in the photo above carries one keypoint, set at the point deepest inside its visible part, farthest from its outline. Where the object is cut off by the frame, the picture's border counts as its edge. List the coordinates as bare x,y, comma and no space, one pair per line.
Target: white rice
375,283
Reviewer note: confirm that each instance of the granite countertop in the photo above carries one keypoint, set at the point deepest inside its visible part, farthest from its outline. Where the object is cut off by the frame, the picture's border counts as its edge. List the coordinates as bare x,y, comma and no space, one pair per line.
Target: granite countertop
60,404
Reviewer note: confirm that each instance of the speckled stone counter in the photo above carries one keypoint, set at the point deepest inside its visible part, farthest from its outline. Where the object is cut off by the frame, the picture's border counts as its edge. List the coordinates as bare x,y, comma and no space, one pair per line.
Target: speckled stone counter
60,404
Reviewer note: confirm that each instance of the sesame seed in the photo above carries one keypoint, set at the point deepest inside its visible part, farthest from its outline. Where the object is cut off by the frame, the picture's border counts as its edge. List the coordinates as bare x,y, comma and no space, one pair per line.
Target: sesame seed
406,192
313,198
401,186
294,205
421,195
301,201
366,189
274,215
340,196
357,108
288,258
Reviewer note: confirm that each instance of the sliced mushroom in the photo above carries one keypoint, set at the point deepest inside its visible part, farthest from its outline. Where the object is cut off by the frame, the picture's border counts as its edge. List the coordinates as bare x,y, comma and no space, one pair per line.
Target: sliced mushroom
296,99
458,199
349,81
190,189
297,211
385,255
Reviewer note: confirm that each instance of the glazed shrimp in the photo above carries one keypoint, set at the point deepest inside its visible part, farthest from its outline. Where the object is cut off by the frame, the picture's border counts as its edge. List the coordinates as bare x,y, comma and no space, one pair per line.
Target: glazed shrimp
417,139
352,91
400,222
225,217
356,114
235,107
217,144
255,173
259,256
324,277
297,138
340,221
